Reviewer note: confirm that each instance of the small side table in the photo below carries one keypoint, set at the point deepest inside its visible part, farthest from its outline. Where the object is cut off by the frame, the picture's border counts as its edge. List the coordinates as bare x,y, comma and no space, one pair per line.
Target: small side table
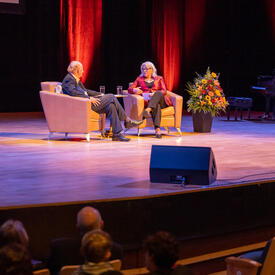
239,103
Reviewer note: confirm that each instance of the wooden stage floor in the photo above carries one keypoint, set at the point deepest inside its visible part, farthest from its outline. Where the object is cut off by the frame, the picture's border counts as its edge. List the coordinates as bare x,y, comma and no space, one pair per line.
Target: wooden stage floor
36,171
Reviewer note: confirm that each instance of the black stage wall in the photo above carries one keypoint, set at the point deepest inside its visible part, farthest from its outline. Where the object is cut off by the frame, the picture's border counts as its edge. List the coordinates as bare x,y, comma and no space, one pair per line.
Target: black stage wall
187,215
236,41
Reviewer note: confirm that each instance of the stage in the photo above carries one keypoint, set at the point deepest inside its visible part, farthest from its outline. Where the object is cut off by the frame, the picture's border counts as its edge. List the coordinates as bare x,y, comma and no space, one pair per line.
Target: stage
45,182
35,170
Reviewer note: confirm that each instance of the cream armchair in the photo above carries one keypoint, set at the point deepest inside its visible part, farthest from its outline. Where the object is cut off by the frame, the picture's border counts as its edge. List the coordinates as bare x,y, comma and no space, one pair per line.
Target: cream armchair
170,116
68,114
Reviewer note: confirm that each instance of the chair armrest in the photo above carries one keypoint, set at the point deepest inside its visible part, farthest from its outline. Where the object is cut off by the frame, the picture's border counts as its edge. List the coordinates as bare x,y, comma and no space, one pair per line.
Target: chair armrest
134,106
244,266
177,102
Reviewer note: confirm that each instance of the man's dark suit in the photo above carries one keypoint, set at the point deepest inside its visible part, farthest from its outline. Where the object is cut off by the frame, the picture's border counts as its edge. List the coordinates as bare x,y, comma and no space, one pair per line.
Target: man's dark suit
66,251
108,103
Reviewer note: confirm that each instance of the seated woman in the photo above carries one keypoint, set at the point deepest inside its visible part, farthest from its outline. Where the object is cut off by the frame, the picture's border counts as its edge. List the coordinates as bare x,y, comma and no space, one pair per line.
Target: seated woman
150,82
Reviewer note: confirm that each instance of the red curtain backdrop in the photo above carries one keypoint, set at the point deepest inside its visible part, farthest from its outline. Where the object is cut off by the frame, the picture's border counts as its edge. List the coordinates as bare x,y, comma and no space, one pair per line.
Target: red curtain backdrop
194,19
167,29
83,21
270,6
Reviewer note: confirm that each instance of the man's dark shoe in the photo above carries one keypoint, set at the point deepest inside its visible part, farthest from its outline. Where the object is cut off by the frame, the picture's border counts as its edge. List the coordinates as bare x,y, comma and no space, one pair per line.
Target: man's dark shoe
132,123
158,136
146,113
120,137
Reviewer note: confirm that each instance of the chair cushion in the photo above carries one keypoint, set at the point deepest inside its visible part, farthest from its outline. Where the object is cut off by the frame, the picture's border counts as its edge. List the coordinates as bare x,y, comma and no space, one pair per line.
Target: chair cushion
168,111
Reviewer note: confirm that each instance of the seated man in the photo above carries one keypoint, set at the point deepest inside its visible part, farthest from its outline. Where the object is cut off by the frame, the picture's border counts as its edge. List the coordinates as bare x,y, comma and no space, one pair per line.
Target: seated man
107,104
96,248
66,251
162,252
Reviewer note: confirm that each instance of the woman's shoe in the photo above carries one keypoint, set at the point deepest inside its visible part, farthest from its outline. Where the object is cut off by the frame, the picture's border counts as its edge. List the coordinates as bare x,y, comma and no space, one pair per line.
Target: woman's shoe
158,136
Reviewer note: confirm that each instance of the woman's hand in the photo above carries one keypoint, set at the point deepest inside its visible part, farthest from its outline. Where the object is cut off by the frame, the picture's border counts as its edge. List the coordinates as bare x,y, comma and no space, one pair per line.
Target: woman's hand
138,91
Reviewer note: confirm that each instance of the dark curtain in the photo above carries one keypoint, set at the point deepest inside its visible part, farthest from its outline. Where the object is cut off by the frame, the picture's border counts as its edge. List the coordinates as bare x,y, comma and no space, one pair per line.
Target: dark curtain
270,9
235,38
29,54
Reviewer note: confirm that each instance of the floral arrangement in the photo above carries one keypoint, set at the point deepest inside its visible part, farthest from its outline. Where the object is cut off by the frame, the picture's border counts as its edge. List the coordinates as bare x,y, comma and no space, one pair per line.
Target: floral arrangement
206,94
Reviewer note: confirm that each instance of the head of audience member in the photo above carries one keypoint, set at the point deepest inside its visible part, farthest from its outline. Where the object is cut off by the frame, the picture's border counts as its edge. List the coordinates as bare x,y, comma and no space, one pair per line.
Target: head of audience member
96,246
148,69
15,260
75,68
162,251
88,218
13,231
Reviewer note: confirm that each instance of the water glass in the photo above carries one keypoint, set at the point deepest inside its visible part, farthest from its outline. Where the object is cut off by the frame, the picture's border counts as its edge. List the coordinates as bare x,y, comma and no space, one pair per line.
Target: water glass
119,90
102,89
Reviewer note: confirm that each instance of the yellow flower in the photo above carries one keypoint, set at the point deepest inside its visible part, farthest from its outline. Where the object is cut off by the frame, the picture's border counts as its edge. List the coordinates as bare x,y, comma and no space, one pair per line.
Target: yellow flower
204,81
207,97
217,92
210,103
213,74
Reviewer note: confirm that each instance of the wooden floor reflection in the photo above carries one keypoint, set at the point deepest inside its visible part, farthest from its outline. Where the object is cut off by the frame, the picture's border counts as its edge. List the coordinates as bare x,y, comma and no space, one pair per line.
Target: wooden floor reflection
34,170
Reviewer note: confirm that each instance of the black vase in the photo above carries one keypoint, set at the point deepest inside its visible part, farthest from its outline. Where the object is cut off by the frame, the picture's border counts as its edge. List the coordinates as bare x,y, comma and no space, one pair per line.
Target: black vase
202,122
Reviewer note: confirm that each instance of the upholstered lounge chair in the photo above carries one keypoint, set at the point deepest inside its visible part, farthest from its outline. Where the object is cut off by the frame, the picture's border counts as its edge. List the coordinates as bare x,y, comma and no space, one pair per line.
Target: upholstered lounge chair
170,116
67,114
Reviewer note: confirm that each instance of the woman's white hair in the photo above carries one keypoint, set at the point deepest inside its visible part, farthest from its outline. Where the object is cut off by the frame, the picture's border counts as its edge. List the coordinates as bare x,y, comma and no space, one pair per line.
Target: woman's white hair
73,65
148,64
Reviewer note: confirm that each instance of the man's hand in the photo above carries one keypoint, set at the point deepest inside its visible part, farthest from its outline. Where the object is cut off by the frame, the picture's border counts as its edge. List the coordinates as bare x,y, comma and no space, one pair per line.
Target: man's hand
95,101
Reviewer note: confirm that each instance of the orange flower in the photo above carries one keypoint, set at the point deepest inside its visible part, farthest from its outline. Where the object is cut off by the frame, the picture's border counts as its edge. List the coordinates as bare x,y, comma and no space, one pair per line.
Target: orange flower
217,92
210,94
202,102
213,74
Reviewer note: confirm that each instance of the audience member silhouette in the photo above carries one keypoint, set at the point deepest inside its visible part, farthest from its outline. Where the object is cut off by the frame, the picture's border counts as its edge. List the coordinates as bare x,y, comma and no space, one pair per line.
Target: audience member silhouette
15,260
162,253
66,251
13,231
96,248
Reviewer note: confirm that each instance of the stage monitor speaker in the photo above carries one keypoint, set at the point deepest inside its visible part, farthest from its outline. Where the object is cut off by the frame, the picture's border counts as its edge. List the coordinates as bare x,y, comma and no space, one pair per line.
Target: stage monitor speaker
182,164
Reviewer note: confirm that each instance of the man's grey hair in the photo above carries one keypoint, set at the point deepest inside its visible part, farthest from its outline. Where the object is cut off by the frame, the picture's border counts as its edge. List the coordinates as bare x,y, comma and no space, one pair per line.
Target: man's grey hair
73,65
88,218
148,64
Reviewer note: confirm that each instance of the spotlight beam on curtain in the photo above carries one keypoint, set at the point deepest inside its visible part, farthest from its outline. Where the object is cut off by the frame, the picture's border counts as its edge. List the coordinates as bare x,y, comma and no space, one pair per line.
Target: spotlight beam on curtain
167,39
83,21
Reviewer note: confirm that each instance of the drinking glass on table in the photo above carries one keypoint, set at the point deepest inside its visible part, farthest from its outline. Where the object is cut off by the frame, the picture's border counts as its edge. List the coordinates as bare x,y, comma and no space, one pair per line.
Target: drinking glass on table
119,90
102,89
